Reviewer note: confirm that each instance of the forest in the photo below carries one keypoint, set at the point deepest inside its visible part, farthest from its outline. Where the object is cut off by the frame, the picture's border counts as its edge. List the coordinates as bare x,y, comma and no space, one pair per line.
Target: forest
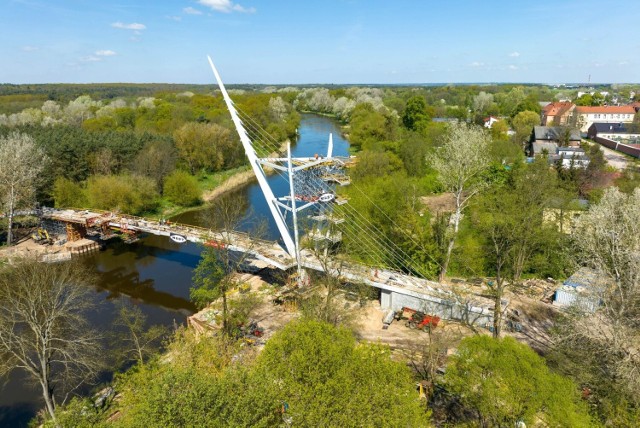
153,150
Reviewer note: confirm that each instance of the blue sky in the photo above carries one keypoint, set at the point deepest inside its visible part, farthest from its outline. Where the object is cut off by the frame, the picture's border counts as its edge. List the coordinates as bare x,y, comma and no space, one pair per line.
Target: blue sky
319,41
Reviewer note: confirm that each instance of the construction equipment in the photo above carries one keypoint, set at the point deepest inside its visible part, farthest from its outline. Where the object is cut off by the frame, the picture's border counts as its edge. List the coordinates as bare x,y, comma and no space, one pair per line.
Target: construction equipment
418,320
41,236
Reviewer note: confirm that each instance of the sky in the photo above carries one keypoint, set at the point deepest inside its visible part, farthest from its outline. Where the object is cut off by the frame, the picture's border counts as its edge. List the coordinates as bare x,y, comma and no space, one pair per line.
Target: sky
319,41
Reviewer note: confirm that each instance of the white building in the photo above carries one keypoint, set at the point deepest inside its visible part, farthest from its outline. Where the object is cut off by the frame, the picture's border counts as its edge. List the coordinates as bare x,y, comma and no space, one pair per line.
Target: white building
587,115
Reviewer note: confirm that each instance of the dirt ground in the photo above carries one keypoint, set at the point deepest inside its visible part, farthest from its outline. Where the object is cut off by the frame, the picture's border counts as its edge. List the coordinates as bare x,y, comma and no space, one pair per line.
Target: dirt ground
444,203
533,314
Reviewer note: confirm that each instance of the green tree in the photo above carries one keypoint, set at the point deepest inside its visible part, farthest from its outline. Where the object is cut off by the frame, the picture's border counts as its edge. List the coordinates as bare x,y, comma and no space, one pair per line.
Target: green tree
369,126
504,382
327,379
499,130
130,194
181,188
375,164
202,145
509,218
415,113
308,374
523,124
68,194
214,277
460,162
156,160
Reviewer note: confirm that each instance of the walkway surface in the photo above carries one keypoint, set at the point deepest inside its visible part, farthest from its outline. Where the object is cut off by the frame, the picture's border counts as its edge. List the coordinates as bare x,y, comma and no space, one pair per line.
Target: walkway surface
270,252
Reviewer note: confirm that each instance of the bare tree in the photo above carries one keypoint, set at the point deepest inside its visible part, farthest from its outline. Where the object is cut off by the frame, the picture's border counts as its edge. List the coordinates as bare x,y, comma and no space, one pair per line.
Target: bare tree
21,163
429,354
460,162
43,327
214,277
322,241
137,341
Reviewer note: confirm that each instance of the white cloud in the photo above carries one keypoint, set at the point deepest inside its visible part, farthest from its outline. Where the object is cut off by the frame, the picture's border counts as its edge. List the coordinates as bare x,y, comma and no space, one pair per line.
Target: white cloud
105,52
623,63
191,11
513,67
175,18
226,6
477,64
514,54
133,26
30,48
90,58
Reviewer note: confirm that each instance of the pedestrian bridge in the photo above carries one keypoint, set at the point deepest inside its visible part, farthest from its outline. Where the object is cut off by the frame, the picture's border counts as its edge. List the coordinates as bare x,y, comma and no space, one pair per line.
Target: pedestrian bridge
397,289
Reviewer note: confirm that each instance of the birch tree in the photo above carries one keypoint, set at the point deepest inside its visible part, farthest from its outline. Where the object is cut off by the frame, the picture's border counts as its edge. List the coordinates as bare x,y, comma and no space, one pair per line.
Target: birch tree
21,163
460,162
43,327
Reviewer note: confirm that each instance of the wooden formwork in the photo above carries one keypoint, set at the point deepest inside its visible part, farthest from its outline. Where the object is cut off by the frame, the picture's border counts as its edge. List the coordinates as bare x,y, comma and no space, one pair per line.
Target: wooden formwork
75,232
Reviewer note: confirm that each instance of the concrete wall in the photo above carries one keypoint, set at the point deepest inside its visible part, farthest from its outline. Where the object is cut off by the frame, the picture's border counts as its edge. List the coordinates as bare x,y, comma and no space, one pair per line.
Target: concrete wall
623,148
446,310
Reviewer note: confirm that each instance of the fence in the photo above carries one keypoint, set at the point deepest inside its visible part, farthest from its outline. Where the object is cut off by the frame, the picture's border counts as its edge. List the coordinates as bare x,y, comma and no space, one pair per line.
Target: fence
620,147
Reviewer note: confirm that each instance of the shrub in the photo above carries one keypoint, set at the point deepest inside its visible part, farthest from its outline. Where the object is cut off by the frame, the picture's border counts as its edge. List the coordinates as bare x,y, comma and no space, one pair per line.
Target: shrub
181,188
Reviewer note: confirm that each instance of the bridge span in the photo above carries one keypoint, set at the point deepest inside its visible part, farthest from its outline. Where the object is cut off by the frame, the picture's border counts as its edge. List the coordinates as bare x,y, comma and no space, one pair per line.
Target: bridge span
397,289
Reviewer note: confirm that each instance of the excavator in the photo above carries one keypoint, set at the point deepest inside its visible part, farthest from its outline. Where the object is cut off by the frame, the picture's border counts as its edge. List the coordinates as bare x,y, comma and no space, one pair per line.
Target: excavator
41,236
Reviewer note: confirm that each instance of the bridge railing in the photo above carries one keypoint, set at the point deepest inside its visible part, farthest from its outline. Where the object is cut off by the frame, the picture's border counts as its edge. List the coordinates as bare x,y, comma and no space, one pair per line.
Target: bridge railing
170,224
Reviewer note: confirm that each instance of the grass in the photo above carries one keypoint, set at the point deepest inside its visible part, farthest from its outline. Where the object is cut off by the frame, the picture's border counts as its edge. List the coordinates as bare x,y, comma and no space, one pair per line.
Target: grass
211,181
206,182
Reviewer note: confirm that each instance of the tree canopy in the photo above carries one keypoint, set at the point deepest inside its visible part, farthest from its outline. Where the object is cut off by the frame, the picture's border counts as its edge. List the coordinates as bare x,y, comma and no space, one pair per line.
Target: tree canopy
505,382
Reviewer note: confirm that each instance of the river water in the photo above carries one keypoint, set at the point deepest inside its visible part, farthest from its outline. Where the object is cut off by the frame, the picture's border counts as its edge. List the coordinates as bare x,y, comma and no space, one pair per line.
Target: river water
155,272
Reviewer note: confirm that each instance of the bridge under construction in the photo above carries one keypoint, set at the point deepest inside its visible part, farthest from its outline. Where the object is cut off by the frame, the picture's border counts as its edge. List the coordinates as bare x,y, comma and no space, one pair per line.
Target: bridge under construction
397,289
312,187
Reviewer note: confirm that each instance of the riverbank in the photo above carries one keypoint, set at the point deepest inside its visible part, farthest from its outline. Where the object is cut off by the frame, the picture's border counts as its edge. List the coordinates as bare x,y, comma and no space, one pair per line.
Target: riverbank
233,182
218,184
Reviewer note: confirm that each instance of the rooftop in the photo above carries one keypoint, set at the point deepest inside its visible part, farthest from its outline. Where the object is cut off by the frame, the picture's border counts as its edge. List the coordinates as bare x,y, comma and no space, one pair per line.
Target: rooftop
606,109
554,133
555,108
618,128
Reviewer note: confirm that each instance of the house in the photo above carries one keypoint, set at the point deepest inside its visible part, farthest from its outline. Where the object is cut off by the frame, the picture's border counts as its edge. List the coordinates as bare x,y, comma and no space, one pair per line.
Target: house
489,121
547,139
611,131
570,157
586,115
557,113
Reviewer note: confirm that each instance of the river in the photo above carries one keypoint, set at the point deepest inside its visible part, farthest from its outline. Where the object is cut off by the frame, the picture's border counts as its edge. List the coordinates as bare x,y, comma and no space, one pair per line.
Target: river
155,272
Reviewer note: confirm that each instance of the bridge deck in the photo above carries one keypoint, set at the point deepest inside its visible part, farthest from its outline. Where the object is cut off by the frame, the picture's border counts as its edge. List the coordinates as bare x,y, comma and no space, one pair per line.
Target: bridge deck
269,252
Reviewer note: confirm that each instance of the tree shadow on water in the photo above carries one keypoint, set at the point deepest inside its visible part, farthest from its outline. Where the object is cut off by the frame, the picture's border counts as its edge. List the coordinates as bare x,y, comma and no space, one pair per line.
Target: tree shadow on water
17,415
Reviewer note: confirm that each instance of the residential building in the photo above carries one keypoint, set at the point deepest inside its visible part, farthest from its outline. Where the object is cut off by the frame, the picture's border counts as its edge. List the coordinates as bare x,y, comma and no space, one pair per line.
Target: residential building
557,113
547,139
571,157
586,115
612,131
